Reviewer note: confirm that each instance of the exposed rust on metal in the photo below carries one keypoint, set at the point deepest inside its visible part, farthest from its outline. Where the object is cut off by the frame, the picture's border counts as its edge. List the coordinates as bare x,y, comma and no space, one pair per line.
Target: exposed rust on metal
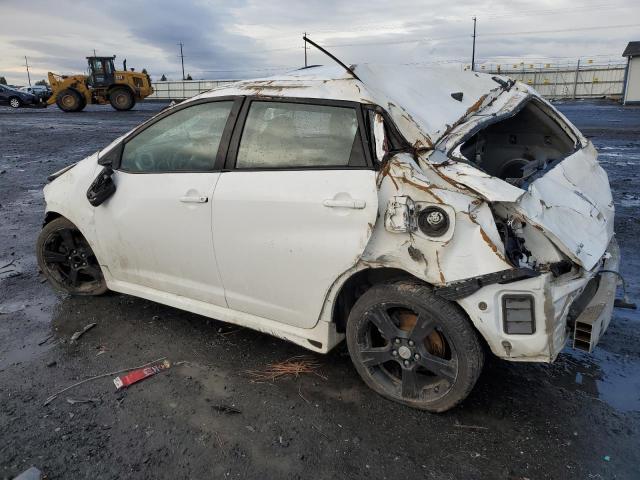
450,181
476,106
472,109
492,245
384,171
424,188
442,279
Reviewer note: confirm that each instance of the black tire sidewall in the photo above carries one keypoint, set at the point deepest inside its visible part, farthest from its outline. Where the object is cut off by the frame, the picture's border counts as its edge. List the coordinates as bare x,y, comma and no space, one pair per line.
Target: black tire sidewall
453,322
57,224
78,105
115,92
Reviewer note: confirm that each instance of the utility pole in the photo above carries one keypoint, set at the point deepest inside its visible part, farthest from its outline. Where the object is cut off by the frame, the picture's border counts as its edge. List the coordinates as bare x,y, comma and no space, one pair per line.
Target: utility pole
182,60
305,51
26,64
473,52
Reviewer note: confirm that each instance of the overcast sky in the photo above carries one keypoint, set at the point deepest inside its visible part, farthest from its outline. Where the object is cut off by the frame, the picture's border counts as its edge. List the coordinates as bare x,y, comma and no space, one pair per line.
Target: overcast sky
240,39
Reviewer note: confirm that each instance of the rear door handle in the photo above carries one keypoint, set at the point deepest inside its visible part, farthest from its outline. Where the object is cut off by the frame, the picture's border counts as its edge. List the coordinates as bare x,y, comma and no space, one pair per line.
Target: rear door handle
355,203
194,199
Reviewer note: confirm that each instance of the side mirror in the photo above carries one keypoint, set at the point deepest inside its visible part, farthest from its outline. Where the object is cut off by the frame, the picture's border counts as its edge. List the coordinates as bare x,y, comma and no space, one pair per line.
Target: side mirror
101,188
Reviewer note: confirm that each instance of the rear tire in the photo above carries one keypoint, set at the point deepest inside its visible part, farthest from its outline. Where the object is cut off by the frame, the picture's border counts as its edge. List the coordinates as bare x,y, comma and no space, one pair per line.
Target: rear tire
66,259
413,347
70,100
122,99
15,102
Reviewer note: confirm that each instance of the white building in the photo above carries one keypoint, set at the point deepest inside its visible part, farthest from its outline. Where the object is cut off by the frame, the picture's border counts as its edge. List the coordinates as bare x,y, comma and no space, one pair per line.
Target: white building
631,92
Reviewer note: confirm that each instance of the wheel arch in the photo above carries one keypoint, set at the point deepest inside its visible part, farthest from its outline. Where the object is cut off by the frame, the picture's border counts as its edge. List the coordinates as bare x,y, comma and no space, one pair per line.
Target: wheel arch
51,215
361,280
357,283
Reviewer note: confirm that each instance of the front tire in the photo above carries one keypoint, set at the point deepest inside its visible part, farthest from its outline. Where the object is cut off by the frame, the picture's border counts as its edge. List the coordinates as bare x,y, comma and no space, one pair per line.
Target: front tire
67,261
122,99
413,347
15,102
70,100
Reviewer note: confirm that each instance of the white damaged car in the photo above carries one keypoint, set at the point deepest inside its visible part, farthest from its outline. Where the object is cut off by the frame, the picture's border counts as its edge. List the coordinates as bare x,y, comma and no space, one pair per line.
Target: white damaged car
425,216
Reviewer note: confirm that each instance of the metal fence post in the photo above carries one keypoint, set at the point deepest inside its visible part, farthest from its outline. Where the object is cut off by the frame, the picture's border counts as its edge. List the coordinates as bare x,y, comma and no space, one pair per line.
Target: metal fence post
575,81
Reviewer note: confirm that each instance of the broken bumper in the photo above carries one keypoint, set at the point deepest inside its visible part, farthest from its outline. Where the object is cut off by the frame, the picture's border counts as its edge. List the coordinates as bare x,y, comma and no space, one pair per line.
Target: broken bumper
554,302
594,320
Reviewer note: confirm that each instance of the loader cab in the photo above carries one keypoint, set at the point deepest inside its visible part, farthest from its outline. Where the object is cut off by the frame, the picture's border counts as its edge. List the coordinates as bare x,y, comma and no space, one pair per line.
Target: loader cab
101,71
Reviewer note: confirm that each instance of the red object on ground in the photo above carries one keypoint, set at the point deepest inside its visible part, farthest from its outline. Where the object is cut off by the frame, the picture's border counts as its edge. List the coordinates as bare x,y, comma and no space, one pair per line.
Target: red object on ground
140,374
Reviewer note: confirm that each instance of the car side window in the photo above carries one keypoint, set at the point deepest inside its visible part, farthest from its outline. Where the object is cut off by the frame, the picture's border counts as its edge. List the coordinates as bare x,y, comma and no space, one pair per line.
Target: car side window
185,141
298,135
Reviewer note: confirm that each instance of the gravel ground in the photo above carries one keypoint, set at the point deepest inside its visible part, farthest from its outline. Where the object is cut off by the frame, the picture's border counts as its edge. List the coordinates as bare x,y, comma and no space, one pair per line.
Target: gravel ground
576,418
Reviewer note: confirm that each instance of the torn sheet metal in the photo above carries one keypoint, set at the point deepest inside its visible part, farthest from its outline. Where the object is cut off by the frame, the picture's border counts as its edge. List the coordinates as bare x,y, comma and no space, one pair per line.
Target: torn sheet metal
572,204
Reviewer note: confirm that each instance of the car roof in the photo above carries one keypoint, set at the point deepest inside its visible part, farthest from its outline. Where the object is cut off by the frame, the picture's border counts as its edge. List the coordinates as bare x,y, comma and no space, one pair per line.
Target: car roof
418,98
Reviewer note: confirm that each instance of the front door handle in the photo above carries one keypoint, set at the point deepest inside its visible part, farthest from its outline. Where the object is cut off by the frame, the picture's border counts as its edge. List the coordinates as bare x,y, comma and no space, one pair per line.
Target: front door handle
194,199
354,203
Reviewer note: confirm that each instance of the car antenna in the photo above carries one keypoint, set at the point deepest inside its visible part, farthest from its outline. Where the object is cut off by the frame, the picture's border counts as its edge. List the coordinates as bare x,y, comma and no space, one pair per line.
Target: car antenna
333,57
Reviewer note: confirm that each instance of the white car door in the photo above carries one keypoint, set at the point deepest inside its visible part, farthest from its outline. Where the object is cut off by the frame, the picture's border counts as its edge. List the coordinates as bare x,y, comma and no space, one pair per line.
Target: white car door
155,231
294,208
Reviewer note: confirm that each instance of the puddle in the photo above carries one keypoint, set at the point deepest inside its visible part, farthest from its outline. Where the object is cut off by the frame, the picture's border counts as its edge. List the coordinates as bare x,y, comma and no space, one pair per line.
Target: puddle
611,376
614,379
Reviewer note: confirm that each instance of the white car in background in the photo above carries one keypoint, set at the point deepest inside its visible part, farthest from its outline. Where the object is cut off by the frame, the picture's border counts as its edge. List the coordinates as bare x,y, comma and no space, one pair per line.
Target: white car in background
424,215
41,91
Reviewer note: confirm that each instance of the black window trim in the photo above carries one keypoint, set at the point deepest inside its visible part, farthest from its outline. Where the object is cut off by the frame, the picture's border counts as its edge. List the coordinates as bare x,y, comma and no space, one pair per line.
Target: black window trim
236,138
222,147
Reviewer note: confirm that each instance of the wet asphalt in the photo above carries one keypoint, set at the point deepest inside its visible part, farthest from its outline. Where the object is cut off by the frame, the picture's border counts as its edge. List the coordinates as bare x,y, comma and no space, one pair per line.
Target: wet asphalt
577,418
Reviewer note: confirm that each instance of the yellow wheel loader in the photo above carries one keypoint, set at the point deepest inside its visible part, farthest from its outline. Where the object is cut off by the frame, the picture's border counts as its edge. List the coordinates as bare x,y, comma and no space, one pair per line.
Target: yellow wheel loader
104,84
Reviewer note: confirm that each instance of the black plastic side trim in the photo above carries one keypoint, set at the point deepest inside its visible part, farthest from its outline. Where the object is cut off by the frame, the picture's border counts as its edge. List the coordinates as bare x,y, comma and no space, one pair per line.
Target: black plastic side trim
468,286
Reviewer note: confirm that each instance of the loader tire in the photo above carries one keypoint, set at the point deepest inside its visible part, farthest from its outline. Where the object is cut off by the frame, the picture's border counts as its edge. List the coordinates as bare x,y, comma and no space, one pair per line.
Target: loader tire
70,100
122,99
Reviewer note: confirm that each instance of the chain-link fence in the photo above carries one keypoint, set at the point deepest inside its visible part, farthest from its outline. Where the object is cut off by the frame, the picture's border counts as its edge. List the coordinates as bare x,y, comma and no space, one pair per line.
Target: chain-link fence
578,80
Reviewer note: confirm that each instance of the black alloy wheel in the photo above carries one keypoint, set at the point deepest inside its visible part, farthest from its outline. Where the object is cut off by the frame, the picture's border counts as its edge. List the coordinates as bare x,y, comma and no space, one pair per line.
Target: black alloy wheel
413,347
67,260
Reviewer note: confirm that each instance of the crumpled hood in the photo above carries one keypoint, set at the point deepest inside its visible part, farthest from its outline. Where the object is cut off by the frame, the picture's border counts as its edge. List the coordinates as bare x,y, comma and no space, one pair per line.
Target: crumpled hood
422,97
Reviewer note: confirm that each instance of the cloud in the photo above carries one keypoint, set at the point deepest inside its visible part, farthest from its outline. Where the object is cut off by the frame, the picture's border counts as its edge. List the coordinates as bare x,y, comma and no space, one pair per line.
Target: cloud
244,38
